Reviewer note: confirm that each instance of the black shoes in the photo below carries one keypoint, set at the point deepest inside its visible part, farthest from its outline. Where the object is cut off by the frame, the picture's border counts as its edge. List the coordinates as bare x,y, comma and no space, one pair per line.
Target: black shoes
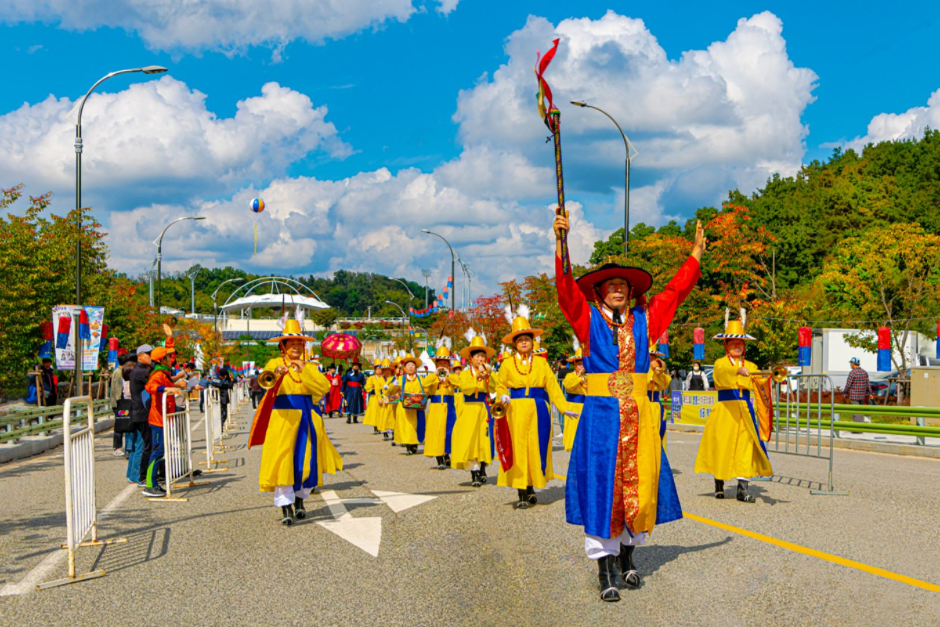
743,495
523,500
287,513
355,420
156,492
530,496
719,489
375,430
447,461
475,477
607,574
299,512
440,463
482,473
349,421
627,568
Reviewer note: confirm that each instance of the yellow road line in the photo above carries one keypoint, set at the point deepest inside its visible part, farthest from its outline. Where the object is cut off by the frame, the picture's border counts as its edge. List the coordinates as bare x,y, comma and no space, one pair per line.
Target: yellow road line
796,548
829,557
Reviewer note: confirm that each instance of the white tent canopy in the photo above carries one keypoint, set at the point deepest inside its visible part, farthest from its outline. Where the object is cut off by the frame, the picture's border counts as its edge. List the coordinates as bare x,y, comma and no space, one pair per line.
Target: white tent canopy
254,301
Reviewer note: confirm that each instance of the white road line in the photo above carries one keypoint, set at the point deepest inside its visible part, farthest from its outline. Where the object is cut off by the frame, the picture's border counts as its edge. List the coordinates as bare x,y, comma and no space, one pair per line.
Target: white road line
44,569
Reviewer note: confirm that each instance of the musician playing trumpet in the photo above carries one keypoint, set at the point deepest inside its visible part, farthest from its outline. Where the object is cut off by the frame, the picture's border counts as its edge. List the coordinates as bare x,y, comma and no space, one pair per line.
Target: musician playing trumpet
473,447
658,381
297,450
442,409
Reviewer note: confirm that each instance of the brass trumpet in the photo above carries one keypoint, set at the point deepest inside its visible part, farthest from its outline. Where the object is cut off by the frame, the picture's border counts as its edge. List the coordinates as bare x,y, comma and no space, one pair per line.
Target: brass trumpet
499,409
779,374
442,373
267,379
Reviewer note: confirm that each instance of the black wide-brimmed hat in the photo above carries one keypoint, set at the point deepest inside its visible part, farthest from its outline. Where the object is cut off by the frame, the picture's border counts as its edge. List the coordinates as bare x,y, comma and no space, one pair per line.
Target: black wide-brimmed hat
640,280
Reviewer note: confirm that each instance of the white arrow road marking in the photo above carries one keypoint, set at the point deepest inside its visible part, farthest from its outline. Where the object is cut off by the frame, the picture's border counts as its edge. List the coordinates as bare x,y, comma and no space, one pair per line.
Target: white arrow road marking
399,501
365,533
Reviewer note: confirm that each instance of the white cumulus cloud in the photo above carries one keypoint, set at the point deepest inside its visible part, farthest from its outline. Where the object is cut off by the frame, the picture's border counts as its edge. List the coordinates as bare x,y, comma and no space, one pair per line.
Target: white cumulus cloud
226,25
908,125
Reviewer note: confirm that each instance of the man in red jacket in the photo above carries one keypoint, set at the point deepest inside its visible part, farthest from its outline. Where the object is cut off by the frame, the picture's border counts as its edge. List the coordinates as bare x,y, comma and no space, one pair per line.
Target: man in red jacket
159,385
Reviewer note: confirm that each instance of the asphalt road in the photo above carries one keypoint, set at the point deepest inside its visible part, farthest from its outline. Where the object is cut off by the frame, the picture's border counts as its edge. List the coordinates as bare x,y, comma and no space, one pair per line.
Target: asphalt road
466,556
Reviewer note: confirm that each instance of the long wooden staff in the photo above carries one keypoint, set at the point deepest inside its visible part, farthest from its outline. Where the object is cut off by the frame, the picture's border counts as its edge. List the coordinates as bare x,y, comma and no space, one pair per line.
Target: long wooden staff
552,119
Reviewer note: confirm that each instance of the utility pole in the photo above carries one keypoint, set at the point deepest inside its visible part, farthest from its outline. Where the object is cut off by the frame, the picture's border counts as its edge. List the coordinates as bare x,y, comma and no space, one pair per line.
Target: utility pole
427,276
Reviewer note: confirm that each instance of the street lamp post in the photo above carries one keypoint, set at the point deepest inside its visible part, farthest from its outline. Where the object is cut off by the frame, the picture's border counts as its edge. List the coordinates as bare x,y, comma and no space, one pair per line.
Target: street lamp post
192,290
215,307
626,178
159,244
452,262
150,69
403,316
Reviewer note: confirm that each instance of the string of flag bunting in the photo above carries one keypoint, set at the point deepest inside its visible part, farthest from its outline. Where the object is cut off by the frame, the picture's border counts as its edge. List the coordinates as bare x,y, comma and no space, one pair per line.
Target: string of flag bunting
438,304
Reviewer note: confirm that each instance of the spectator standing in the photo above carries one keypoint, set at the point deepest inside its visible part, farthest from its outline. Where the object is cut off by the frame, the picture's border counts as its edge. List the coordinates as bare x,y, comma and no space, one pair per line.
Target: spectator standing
224,383
117,393
858,388
140,408
159,386
257,392
697,380
50,384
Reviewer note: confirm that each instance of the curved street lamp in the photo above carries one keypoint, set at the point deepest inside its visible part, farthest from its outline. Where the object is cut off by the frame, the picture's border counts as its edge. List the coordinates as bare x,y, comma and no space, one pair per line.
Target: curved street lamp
452,262
159,244
215,307
150,69
626,184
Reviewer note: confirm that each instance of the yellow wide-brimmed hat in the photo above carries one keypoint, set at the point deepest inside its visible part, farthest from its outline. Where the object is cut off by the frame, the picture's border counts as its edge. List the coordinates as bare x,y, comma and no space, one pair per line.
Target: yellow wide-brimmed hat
409,357
734,331
292,331
578,356
477,344
442,354
521,326
386,363
538,351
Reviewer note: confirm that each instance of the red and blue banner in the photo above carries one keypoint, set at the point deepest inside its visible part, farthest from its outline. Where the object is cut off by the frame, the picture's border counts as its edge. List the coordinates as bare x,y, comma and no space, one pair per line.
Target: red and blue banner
664,344
84,330
938,339
113,346
884,349
804,342
698,343
436,305
62,335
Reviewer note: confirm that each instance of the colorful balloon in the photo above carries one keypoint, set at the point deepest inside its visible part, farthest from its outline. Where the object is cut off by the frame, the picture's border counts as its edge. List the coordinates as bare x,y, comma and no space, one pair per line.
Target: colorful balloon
257,205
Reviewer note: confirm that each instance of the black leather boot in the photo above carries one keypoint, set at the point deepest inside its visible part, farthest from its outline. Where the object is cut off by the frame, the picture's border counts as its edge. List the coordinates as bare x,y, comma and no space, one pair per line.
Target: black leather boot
743,495
475,478
627,568
530,495
440,463
719,489
299,512
348,420
523,500
447,461
375,430
287,513
356,419
482,473
607,575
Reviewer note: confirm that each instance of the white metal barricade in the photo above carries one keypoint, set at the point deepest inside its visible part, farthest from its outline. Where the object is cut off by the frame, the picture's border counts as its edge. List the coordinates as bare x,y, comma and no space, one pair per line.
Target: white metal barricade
177,452
81,513
213,423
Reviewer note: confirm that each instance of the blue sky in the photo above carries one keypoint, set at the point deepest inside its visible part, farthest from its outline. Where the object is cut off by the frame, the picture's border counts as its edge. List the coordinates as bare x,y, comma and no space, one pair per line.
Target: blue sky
407,106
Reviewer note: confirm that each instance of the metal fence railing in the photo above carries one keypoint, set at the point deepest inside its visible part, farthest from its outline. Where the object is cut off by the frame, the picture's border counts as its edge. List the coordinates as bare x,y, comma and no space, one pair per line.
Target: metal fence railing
41,420
81,512
178,452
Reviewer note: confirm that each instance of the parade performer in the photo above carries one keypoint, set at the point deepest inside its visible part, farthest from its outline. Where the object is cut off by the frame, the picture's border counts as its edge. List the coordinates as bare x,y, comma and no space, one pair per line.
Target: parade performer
385,416
528,384
575,385
296,449
442,409
353,384
333,400
615,486
731,446
473,445
374,383
411,409
658,381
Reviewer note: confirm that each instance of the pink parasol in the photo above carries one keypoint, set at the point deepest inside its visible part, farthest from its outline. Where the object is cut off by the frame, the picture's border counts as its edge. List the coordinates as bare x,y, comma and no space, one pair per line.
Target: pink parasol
340,346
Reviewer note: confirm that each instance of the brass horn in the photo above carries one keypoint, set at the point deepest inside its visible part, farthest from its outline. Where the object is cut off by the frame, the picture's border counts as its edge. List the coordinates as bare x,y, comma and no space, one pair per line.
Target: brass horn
499,409
267,379
779,374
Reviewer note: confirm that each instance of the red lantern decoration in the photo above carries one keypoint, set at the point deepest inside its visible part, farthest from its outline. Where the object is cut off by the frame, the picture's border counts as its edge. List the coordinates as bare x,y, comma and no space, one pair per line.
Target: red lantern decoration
46,328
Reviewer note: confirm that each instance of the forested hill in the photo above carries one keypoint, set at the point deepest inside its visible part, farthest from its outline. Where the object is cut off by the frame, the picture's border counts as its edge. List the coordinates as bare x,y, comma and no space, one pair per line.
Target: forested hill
349,293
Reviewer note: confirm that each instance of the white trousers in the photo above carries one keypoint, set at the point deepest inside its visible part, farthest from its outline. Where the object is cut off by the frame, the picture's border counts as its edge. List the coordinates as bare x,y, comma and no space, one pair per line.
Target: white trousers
284,494
597,547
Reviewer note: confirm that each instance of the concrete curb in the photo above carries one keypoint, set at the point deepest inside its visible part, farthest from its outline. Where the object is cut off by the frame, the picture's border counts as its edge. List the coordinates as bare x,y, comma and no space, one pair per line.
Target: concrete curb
31,445
889,448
